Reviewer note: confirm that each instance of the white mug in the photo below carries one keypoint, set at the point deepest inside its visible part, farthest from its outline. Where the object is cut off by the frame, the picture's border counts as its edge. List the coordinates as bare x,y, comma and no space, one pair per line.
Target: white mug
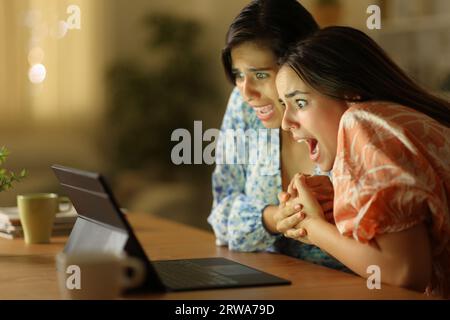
99,276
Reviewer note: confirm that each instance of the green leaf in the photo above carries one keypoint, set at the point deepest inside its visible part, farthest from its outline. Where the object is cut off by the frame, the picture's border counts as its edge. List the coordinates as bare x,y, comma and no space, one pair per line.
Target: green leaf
8,178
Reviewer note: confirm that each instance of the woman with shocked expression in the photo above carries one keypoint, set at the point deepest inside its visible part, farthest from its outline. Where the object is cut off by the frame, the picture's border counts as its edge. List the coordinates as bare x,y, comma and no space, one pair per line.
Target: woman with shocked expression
246,196
387,142
310,117
254,68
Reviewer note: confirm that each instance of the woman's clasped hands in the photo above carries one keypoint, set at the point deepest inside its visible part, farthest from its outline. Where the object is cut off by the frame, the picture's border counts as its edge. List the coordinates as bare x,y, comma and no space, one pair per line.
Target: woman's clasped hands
307,198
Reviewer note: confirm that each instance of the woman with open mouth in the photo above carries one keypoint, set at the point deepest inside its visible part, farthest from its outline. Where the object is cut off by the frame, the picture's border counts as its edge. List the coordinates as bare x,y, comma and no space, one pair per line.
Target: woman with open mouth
387,142
246,195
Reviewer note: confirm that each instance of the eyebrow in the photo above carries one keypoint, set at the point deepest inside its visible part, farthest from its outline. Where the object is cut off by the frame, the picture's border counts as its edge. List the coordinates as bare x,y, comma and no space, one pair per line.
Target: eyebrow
294,93
260,69
254,69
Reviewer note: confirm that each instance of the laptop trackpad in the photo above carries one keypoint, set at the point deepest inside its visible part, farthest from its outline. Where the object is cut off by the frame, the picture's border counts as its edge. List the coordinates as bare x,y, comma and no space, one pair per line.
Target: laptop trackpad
232,270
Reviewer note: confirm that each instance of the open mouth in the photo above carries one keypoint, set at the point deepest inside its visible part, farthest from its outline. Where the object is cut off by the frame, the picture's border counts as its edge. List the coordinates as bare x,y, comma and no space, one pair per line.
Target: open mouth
265,113
313,145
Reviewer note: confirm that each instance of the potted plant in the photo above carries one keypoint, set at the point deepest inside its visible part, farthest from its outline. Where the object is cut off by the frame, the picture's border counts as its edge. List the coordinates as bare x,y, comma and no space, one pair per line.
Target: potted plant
7,178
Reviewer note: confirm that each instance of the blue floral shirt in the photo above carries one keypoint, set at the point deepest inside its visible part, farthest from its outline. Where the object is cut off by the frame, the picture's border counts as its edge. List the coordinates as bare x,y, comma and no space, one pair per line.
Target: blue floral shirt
242,189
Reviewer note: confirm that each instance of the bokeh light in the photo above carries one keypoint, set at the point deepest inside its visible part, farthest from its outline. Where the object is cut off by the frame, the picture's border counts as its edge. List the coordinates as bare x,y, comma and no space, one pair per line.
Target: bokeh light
37,73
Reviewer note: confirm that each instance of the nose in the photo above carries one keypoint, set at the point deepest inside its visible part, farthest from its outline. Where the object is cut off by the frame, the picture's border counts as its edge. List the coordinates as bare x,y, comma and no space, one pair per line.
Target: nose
249,90
289,121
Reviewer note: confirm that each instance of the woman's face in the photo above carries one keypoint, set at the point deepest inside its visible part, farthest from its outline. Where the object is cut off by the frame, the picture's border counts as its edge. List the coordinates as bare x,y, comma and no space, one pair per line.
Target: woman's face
310,116
255,69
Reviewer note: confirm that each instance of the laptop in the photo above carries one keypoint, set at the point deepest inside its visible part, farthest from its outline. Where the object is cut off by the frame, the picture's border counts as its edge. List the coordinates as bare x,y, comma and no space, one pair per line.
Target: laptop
102,227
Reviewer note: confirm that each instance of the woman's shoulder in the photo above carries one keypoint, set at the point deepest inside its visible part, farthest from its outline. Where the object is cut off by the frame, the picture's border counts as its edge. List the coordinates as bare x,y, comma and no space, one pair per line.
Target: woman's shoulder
375,109
380,120
385,134
388,112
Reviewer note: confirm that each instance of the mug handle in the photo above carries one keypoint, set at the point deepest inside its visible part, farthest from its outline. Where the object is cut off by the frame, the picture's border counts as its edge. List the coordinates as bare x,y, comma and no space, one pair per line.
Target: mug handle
138,274
64,200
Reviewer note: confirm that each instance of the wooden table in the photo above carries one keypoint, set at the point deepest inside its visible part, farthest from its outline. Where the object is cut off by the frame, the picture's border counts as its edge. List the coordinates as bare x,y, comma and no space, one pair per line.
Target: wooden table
28,271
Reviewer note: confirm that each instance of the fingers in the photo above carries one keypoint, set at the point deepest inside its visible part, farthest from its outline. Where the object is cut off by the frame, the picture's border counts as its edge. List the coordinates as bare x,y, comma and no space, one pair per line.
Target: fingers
283,197
290,208
302,188
291,189
295,233
290,222
287,210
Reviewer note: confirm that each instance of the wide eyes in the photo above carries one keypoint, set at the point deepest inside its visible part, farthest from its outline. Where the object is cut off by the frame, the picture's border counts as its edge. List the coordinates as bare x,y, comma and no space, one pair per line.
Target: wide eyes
261,75
238,75
299,103
258,75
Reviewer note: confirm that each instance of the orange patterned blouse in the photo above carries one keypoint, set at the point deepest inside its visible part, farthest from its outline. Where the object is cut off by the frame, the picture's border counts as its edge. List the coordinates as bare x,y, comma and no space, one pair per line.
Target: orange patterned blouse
390,161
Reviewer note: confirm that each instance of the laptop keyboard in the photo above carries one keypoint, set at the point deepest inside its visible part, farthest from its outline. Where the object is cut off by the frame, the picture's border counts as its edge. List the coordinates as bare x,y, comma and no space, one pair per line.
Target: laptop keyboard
185,274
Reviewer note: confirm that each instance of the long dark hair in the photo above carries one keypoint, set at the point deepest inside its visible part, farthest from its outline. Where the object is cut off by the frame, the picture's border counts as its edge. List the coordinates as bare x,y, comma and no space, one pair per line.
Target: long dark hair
276,24
346,64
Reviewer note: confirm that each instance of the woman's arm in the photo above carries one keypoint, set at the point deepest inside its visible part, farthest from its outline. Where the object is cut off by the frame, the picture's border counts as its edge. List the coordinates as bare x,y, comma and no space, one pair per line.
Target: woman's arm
235,217
404,257
268,219
237,220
